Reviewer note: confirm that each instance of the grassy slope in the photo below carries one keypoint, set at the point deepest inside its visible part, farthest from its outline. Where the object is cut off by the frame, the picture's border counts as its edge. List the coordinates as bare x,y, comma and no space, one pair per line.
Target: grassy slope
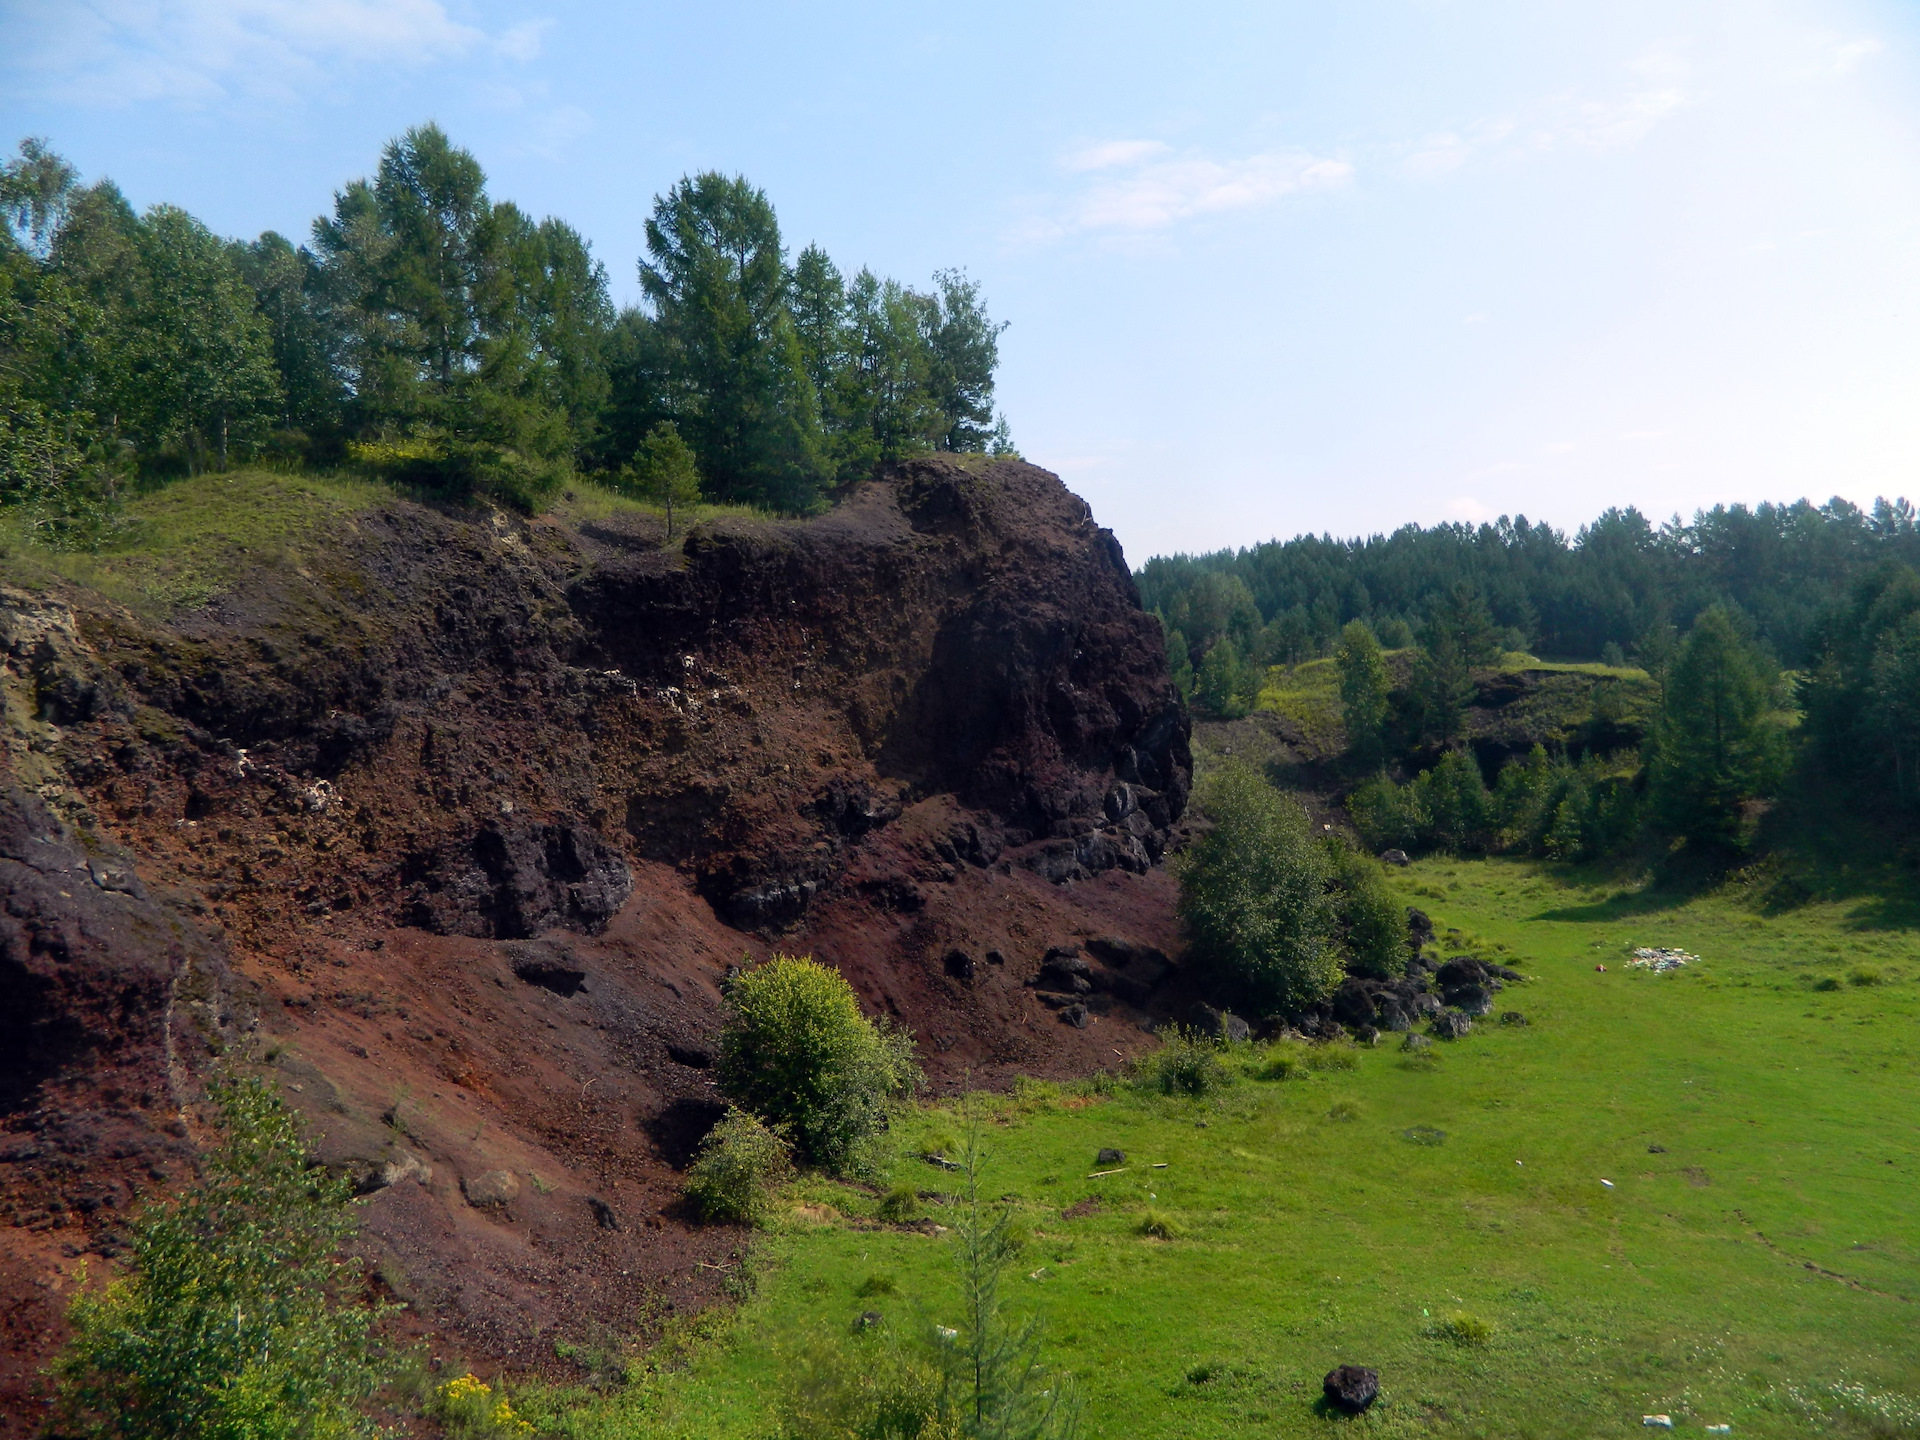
1772,1250
179,547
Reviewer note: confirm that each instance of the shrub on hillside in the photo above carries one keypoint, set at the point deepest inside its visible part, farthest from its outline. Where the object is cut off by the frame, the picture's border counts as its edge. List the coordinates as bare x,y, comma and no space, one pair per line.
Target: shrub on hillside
1253,893
798,1053
739,1164
235,1317
1372,922
1187,1063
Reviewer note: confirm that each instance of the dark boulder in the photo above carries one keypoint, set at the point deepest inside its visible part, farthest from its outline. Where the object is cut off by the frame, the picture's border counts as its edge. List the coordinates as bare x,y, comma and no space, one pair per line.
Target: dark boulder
1110,1157
1395,857
1472,1000
1075,1015
1393,1013
1461,970
1220,1024
1513,1017
959,964
1450,1025
1353,1002
1351,1388
1419,926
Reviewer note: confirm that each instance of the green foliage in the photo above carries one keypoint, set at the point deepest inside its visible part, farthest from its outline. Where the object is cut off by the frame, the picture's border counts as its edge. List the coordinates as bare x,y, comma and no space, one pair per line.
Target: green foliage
740,1164
869,1387
900,1205
1539,806
1862,698
1187,1062
1463,1327
798,1053
471,1409
1459,638
1253,893
664,472
1226,686
1716,747
1372,922
1158,1224
997,1387
1364,688
236,1319
1180,664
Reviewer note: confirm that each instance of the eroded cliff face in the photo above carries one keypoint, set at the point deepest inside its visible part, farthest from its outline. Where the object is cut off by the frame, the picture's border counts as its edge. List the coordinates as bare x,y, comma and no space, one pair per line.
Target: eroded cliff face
459,829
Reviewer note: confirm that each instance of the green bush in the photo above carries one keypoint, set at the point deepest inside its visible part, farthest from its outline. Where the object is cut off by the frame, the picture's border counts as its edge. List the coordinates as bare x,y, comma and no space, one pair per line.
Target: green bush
1253,893
471,1409
871,1387
1465,1328
1372,921
1187,1063
235,1320
739,1164
1388,816
1865,975
900,1205
799,1054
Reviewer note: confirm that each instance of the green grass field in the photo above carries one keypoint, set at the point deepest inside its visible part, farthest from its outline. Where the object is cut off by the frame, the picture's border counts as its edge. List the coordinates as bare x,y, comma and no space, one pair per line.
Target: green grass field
1755,1262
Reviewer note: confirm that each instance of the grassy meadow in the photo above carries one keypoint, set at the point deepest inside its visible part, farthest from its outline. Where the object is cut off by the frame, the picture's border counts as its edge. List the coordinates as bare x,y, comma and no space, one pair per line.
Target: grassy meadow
1755,1261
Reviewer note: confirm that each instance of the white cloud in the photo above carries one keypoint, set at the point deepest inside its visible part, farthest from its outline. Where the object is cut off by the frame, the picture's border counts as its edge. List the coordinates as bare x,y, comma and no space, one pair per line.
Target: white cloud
1142,186
1627,119
1848,56
1469,508
205,51
1110,153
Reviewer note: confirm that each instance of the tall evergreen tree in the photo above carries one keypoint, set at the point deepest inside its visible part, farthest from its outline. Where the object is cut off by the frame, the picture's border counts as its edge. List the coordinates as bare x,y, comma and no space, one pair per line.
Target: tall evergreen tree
735,380
1714,747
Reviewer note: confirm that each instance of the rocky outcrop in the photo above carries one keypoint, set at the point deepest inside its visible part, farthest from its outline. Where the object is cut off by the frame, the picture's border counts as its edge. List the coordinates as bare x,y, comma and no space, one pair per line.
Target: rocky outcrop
476,811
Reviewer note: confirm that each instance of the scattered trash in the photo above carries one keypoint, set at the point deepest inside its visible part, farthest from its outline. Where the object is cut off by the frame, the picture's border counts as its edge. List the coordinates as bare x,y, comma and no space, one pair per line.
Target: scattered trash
1607,1183
1660,961
1719,1429
1036,1274
1601,968
1098,1173
1161,1164
1658,1422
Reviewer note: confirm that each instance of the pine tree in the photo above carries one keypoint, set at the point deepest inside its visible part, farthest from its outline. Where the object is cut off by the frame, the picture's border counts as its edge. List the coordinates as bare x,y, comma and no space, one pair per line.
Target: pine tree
1715,748
664,472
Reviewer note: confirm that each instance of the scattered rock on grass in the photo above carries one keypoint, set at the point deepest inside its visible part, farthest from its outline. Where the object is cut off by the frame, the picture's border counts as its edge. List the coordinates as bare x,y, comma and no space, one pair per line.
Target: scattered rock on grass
1110,1157
1351,1388
1450,1025
1221,1024
1513,1017
1395,857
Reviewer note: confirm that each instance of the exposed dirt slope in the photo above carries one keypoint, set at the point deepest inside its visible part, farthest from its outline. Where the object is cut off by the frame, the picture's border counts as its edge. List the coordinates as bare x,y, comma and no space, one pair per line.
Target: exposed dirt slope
460,829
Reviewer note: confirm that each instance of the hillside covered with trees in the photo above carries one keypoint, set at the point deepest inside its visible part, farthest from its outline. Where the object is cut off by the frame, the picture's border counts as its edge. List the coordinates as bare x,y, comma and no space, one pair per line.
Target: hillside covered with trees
454,343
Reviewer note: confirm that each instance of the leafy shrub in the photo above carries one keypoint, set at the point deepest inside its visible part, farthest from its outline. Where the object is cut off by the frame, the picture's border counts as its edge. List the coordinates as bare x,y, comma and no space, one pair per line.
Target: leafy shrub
899,1205
1253,893
1388,816
1159,1225
1372,922
877,1284
1344,1111
1826,982
471,1409
1286,1060
739,1164
798,1053
1866,975
1465,1328
1187,1063
235,1317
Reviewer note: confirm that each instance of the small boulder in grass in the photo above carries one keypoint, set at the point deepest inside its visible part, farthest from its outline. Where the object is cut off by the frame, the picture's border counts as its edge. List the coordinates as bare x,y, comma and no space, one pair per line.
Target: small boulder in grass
1351,1388
1110,1157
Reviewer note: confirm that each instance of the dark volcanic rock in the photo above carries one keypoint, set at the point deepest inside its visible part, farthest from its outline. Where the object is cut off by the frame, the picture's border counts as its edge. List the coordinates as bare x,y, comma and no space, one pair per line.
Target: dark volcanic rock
1220,1024
1472,1000
1354,1002
1450,1025
1461,970
517,878
1351,1388
1075,1015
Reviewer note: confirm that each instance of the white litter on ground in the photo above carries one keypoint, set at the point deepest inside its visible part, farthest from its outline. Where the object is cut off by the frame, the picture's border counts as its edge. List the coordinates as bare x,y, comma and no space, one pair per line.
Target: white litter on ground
1719,1429
1660,961
1659,1422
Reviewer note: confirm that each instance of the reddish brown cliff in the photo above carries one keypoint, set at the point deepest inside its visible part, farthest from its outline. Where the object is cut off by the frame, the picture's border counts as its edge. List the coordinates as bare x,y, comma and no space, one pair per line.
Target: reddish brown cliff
459,829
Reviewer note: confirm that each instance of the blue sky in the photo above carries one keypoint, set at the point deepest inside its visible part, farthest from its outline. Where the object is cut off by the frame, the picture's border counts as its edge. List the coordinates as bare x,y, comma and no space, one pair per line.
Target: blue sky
1269,267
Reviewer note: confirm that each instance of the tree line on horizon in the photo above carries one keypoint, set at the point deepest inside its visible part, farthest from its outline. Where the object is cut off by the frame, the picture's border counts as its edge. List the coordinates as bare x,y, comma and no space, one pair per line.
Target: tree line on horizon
430,333
1617,588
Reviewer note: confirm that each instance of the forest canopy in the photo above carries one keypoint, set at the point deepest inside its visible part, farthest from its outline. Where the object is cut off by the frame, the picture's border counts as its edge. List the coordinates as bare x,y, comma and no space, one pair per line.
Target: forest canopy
450,341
